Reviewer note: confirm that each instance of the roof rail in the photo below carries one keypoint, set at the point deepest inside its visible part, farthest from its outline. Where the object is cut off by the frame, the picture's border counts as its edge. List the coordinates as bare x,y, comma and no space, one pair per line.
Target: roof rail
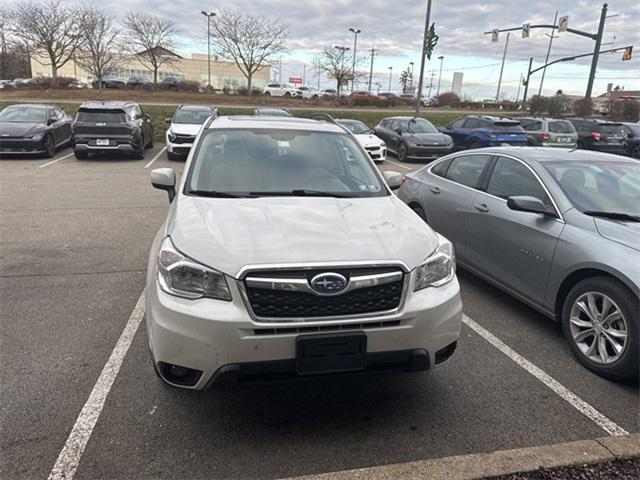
325,116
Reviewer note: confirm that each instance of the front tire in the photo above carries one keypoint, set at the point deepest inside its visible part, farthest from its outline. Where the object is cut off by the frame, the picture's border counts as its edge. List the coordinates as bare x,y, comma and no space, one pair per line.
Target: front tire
635,153
267,94
287,95
49,146
403,151
475,144
600,322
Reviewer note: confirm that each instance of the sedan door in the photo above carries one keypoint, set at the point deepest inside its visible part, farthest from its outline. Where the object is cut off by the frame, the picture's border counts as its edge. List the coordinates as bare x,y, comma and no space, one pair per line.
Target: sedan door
448,195
512,247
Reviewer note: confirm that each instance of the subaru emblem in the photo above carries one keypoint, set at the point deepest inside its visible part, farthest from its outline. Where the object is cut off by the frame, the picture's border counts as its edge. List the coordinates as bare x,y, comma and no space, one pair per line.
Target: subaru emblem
329,283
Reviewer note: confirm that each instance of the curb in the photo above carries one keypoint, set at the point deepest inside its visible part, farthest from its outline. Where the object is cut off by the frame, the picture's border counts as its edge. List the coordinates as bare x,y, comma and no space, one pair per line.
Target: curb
503,462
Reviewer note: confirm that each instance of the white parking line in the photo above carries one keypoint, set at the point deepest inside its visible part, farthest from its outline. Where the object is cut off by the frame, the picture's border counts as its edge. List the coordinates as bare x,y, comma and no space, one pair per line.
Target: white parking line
56,160
156,157
398,165
69,458
576,402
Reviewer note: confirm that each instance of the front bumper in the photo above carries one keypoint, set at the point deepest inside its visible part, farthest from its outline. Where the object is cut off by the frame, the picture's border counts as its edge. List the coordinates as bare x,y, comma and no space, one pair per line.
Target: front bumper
181,149
428,152
216,337
377,153
23,146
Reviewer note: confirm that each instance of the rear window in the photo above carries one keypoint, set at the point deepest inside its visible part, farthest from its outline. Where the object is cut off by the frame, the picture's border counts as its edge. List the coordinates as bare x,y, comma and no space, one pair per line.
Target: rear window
612,129
508,127
560,127
102,116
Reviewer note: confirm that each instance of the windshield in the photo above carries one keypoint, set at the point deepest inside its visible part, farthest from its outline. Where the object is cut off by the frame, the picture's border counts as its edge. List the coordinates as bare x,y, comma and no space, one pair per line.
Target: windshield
420,125
561,126
356,127
512,127
635,129
101,116
23,115
192,117
600,186
281,162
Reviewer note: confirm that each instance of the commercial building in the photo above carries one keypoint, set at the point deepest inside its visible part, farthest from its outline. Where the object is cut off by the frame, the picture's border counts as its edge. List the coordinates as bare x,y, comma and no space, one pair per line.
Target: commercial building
223,73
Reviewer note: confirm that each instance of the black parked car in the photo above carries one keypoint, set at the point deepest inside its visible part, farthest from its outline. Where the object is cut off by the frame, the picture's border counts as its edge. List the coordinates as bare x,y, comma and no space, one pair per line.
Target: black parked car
413,138
33,129
111,127
138,82
109,82
600,135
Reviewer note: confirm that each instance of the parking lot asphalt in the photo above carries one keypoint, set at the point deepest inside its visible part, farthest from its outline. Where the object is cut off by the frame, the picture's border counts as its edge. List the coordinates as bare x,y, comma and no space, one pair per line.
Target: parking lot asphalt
74,237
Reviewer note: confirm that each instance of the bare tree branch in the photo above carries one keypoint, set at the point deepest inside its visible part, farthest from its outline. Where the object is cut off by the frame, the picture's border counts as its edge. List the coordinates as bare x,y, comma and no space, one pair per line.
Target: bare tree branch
338,64
250,41
151,39
98,53
50,29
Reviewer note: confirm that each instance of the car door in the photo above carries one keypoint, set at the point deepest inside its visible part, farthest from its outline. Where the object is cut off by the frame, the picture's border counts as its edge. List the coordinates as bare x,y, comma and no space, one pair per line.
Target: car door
381,130
448,196
453,128
63,126
394,136
512,247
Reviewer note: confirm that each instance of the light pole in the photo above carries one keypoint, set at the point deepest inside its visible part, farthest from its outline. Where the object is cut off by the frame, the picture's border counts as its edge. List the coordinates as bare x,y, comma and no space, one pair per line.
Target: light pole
411,78
425,40
208,15
373,53
441,58
546,60
390,77
355,31
504,56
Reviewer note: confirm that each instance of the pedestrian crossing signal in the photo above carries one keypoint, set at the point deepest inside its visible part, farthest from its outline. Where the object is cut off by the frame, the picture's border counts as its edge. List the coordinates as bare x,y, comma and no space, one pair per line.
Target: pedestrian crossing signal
628,52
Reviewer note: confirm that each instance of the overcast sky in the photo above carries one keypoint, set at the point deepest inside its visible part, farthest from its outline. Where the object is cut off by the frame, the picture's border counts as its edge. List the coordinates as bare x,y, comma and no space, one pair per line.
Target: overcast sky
395,27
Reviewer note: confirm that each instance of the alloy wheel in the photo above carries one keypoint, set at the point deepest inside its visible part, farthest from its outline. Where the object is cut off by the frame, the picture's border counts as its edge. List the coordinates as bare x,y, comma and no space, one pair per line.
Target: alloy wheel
598,327
402,152
49,146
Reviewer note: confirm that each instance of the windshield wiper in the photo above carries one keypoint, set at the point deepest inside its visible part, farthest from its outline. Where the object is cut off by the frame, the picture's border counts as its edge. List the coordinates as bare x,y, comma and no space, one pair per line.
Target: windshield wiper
214,194
301,192
614,215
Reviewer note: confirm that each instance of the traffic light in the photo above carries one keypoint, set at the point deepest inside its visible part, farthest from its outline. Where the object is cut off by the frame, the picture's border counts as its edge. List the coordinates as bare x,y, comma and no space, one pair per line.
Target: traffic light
628,52
526,30
494,35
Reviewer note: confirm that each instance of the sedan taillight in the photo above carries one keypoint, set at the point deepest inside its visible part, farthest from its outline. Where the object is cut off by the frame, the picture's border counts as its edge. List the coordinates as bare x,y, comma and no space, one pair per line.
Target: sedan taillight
596,136
544,136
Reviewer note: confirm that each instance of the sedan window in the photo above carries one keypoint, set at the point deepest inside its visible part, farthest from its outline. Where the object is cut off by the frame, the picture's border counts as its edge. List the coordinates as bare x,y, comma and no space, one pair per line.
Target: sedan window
511,178
467,170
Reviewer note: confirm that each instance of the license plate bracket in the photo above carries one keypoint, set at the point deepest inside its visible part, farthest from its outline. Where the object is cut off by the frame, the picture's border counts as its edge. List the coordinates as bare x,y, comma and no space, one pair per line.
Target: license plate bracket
331,353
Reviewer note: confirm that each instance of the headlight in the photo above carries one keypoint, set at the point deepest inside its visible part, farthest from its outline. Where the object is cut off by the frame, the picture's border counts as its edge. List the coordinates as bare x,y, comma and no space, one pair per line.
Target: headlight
35,136
183,277
438,269
172,136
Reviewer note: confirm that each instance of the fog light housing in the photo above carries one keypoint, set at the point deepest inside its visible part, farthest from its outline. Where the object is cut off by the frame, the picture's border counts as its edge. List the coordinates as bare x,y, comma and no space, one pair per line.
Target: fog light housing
178,374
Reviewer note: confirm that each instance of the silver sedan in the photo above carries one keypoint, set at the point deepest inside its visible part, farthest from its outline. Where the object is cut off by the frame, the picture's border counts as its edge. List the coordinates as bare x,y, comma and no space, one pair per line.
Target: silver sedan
560,230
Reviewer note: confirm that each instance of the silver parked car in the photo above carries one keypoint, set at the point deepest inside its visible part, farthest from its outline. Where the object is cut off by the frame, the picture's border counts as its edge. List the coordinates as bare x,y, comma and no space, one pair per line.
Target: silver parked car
559,229
549,132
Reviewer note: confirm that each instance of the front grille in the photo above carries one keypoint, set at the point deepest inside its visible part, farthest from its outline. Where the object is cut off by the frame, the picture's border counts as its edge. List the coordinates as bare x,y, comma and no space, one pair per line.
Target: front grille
180,139
372,149
282,304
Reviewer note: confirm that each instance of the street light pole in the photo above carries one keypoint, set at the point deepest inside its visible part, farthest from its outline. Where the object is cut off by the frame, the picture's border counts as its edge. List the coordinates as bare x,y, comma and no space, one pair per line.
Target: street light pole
504,56
390,77
373,53
208,15
424,56
546,60
355,31
441,58
596,51
411,78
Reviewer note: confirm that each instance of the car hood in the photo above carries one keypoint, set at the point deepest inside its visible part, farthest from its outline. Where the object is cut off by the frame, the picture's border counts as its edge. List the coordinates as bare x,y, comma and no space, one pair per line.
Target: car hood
13,129
626,233
368,140
228,234
185,128
428,138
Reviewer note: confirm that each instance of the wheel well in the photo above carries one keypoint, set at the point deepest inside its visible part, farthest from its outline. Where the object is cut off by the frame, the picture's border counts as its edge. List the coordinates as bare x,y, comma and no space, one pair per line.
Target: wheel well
575,277
414,205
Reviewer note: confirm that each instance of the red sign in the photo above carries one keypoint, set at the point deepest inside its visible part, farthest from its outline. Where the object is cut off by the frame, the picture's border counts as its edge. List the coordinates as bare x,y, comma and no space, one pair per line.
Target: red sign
295,80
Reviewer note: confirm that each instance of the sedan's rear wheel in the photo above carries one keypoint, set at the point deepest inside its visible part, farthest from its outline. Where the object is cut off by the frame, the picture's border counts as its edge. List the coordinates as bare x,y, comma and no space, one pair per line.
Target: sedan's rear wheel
267,94
600,322
475,144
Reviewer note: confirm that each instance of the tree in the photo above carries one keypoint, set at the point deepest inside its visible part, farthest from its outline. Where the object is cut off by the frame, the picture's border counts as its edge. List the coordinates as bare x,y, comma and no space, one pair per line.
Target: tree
336,64
583,107
98,54
151,39
447,98
250,41
50,29
406,79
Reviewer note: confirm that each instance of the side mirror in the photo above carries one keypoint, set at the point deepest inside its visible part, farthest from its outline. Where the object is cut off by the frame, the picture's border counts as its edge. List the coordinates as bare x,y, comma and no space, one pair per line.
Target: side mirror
399,131
164,179
167,120
394,179
51,121
526,204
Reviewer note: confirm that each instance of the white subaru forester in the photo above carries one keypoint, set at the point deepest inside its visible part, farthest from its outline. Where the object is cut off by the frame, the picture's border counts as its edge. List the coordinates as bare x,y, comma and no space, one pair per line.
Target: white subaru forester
285,253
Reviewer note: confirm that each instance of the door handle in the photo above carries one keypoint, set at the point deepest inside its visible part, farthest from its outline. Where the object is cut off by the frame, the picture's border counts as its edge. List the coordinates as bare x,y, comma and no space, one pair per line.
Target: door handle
481,207
435,190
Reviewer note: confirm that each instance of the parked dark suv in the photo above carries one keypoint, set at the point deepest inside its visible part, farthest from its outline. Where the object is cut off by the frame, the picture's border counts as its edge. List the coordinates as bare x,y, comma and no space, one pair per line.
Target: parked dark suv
111,127
600,135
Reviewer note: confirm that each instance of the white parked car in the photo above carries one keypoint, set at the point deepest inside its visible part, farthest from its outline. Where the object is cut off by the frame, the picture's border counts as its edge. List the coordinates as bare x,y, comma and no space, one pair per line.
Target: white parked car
184,127
375,147
285,252
328,92
280,90
307,92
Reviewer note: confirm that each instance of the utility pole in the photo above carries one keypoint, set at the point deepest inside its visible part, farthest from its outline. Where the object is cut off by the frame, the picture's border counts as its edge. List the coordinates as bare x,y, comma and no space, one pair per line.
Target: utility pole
209,15
526,85
424,57
411,78
546,60
441,58
355,31
373,52
304,74
390,77
519,84
431,83
504,55
596,51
